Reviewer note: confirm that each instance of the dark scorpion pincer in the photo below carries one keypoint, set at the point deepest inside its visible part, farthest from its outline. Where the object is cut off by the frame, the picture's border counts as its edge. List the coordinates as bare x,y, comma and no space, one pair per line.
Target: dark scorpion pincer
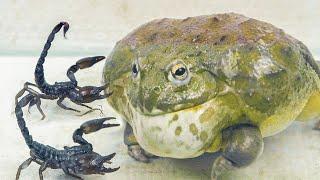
75,160
62,90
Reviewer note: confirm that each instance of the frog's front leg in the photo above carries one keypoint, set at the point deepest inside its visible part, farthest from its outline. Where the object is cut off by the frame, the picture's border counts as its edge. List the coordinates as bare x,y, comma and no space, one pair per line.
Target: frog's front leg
241,145
134,149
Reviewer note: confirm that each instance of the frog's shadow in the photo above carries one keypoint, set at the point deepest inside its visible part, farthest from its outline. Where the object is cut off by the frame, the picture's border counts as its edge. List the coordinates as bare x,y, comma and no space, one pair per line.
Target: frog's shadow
201,164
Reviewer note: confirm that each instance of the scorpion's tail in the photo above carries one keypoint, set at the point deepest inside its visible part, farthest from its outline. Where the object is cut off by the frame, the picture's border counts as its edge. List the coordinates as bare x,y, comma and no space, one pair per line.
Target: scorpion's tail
39,71
21,122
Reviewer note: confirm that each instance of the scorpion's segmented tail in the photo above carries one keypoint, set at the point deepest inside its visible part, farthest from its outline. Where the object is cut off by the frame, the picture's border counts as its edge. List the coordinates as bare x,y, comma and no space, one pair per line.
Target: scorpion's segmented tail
21,122
39,71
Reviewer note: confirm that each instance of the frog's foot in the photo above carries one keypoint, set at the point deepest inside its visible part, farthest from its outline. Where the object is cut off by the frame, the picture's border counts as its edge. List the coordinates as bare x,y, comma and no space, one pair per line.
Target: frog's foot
241,145
134,149
317,126
139,154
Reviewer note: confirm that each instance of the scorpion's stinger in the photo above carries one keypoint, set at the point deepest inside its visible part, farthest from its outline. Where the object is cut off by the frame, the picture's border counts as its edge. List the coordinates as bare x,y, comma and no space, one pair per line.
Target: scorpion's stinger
65,28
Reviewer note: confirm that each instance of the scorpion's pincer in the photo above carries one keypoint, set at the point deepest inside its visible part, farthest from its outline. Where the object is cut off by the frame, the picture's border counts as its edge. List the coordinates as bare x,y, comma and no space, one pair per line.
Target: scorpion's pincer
99,161
89,61
96,124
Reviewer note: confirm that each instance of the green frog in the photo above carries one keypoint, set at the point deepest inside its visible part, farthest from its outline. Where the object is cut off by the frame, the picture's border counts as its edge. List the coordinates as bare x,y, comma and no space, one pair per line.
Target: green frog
219,82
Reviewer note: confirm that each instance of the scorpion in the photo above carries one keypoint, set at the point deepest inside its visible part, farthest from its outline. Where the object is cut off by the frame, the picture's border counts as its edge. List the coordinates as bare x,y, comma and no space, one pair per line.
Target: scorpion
62,90
74,160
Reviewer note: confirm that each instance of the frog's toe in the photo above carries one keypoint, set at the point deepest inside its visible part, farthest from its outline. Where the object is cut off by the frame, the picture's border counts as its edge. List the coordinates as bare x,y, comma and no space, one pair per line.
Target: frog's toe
220,166
139,154
317,126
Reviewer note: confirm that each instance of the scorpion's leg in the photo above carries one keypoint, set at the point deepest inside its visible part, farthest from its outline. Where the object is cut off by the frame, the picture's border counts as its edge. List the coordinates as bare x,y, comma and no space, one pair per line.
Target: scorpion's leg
81,104
42,168
38,103
32,103
24,89
91,109
24,165
241,145
36,99
134,149
59,102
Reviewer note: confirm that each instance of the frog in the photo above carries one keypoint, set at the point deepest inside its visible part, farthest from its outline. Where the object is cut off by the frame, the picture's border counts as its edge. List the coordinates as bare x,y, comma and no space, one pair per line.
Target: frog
211,83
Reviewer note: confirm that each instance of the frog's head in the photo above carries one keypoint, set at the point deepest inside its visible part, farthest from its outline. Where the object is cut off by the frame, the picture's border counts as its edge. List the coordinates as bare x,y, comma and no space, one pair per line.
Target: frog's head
170,64
161,79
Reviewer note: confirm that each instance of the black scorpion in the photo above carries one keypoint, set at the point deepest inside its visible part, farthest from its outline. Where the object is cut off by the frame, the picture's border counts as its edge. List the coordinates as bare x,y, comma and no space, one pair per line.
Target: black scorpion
62,90
80,159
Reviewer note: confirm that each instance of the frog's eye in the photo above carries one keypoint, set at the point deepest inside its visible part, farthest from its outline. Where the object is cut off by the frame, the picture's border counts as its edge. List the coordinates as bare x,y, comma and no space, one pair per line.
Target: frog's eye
135,70
179,73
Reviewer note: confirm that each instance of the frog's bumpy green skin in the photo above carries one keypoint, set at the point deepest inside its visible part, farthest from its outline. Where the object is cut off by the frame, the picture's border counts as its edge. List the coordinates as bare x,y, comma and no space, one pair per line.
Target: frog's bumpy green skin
239,71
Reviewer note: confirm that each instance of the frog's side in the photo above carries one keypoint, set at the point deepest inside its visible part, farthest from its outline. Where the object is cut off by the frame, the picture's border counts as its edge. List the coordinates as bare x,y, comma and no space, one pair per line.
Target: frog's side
244,80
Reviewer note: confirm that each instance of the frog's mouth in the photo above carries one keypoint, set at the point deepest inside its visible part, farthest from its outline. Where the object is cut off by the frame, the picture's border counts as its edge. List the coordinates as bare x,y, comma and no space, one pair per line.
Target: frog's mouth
165,104
171,108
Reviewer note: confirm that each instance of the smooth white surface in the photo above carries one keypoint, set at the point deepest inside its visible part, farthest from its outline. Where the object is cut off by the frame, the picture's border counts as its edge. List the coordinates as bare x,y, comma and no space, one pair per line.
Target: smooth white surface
292,154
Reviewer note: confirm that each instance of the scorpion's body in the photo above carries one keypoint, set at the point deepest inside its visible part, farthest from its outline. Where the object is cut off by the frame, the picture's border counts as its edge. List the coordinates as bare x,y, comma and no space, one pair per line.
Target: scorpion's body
73,160
62,90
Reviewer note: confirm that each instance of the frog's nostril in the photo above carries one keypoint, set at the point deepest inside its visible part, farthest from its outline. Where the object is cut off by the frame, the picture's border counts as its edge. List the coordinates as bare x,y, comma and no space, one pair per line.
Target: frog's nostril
157,90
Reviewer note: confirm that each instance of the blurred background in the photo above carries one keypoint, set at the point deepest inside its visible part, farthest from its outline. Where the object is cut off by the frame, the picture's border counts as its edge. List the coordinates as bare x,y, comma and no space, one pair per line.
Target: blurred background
97,24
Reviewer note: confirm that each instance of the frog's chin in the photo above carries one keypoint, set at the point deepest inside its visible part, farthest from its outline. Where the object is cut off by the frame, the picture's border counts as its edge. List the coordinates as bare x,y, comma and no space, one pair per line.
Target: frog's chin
177,134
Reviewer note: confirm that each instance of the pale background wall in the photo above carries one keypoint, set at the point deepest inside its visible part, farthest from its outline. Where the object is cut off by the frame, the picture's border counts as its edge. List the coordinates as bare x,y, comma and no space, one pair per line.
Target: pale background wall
97,24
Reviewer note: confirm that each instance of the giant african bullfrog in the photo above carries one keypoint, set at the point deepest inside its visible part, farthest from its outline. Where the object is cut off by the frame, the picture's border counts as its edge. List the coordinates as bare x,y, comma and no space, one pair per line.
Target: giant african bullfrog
220,82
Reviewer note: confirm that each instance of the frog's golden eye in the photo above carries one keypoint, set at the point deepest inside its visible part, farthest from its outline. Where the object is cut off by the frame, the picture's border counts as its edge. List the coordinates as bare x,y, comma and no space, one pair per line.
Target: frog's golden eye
179,72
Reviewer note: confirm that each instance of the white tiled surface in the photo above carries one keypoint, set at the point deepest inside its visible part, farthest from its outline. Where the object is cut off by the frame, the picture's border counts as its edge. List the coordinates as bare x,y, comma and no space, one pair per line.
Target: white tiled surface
292,154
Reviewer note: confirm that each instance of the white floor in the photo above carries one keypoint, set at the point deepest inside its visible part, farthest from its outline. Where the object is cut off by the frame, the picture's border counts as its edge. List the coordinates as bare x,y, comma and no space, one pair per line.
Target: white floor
292,154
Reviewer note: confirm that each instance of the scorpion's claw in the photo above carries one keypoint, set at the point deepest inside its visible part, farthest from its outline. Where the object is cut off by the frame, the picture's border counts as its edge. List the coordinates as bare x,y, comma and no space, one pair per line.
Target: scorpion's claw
92,93
99,161
89,61
96,124
109,170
